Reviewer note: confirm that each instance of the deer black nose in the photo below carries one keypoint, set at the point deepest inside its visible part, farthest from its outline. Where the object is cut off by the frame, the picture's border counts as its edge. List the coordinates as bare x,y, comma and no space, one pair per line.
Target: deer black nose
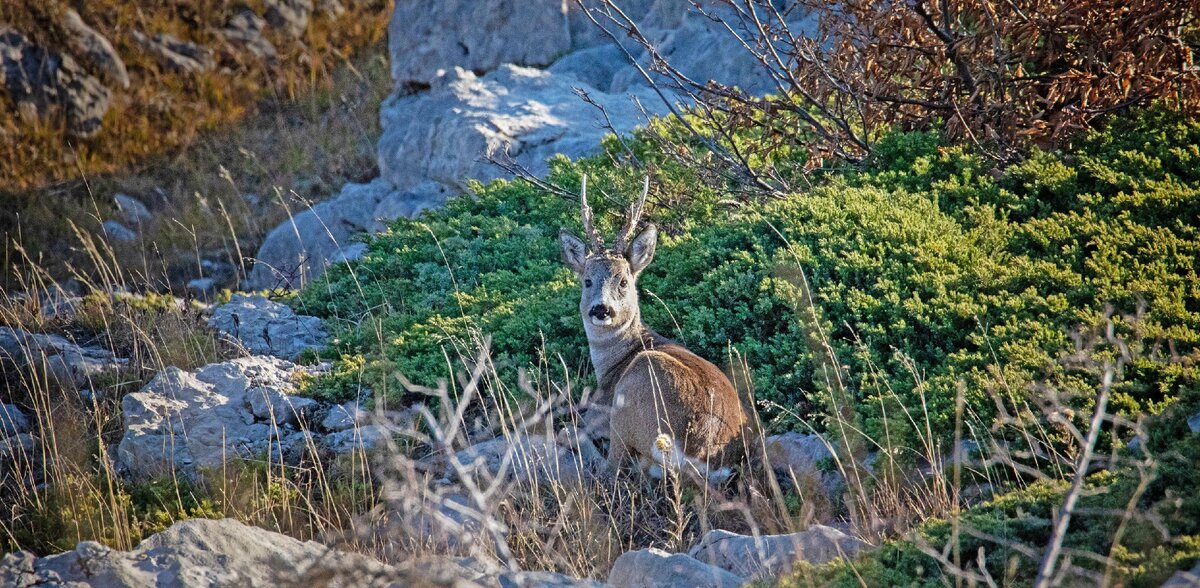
600,311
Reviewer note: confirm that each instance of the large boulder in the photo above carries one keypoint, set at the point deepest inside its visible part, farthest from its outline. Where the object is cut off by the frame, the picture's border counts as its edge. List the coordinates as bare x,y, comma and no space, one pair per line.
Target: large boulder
64,361
182,423
805,459
94,49
200,553
527,115
772,555
176,54
426,39
524,459
655,568
265,327
40,81
298,250
289,16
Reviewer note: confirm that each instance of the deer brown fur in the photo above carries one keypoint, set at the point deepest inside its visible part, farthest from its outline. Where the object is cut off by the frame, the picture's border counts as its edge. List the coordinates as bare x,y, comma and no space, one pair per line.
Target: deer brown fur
668,406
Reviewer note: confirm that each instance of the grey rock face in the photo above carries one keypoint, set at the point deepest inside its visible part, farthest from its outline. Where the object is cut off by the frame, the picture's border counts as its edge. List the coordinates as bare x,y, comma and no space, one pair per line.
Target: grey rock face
289,16
182,421
297,251
364,438
199,553
1194,423
525,114
266,327
202,288
175,54
655,568
773,555
12,420
807,459
245,30
63,360
94,50
40,81
524,460
132,209
344,416
118,232
1184,579
427,37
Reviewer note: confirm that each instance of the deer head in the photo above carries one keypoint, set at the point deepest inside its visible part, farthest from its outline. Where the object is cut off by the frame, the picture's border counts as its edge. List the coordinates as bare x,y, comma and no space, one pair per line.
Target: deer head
609,302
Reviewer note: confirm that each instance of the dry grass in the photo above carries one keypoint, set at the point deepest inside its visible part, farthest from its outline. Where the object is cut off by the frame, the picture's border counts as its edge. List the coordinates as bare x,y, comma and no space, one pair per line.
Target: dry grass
216,173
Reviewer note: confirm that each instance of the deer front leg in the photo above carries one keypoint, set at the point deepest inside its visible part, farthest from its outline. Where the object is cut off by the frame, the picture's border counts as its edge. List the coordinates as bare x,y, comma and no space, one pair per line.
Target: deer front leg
618,454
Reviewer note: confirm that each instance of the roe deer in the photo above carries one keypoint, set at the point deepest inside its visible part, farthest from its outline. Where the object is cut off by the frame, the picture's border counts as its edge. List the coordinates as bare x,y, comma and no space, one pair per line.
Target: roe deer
668,405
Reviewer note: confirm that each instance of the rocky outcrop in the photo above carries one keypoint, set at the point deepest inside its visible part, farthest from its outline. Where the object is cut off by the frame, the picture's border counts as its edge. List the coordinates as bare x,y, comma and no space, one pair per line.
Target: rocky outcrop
40,81
805,459
175,54
94,50
199,553
446,135
66,362
525,459
289,16
132,210
772,555
266,327
296,252
181,422
12,420
655,568
245,31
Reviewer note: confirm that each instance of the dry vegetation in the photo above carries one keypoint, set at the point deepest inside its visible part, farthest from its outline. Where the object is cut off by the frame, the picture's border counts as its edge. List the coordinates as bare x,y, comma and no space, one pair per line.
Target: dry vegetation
219,161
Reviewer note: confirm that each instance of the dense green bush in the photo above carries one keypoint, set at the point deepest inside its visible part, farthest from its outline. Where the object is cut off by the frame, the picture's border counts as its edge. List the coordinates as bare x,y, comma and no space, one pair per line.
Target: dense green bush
927,269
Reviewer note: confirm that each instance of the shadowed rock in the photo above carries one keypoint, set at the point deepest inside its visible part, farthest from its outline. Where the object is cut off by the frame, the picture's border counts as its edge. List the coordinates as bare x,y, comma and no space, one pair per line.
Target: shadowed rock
655,568
39,81
269,328
94,50
774,555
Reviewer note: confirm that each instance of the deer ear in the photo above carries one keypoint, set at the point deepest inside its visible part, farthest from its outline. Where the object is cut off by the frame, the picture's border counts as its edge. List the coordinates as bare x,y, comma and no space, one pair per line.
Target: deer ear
641,251
574,250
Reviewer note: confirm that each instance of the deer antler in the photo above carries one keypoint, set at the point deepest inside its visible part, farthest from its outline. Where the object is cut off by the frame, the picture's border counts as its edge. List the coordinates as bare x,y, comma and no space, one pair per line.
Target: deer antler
588,222
632,218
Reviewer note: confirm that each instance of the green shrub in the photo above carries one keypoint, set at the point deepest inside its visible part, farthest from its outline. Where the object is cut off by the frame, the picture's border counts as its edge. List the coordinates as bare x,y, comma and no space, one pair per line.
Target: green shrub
927,270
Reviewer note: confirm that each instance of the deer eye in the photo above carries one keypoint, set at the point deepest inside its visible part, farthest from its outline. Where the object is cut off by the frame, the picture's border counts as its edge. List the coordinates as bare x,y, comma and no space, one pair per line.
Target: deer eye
587,283
624,283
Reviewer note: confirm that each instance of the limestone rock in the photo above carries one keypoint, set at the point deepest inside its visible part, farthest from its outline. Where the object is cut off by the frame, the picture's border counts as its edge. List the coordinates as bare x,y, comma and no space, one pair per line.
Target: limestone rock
63,360
118,232
297,251
176,54
269,404
528,115
655,568
245,30
344,416
1184,579
290,16
94,50
39,81
182,422
12,420
425,38
266,327
805,458
132,210
199,553
525,459
773,555
365,438
202,288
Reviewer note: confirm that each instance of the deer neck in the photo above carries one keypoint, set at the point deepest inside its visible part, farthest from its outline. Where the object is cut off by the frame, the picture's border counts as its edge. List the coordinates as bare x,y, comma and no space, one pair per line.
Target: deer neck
611,349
